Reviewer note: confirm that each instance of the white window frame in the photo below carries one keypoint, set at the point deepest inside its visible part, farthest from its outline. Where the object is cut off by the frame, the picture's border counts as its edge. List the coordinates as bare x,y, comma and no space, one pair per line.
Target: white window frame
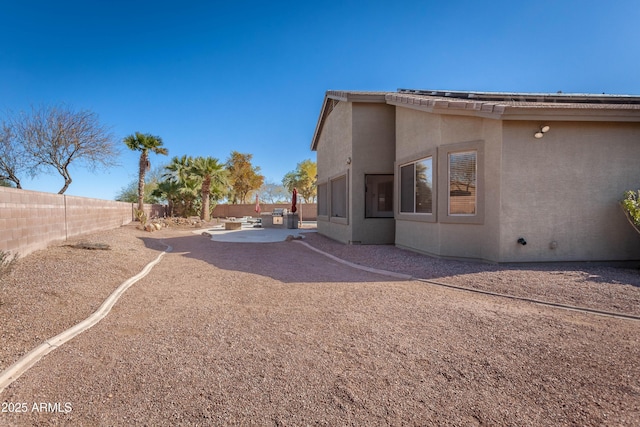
444,153
417,216
473,194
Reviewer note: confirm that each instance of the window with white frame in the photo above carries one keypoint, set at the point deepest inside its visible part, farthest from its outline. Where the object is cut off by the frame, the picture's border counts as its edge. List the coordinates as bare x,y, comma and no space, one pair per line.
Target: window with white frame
416,187
462,177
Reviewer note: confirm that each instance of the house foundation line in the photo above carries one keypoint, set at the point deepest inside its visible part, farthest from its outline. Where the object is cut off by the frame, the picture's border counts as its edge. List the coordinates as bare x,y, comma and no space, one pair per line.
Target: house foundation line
584,310
27,361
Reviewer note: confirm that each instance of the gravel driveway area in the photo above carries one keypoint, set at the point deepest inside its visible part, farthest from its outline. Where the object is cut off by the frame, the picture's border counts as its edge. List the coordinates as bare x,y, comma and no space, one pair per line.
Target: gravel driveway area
276,334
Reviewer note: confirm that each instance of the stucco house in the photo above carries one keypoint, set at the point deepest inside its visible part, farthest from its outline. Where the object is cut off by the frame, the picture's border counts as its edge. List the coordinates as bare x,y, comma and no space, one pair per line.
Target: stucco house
498,177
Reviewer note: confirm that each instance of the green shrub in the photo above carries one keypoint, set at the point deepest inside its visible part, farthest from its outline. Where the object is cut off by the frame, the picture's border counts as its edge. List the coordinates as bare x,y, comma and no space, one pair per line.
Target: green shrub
141,216
631,205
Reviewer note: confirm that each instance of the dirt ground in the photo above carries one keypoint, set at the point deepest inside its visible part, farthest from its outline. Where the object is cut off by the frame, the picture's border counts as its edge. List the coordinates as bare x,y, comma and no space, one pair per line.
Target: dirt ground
276,334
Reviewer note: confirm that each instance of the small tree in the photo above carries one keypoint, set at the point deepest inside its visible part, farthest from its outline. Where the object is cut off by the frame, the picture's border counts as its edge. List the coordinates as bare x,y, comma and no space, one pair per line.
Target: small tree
631,206
212,177
243,176
54,137
129,193
170,191
144,143
271,192
190,202
303,179
178,169
180,190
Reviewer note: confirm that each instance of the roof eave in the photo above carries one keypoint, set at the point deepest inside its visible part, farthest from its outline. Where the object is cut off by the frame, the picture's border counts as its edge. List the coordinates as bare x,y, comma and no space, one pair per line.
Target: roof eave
501,111
446,106
319,123
582,98
574,114
345,96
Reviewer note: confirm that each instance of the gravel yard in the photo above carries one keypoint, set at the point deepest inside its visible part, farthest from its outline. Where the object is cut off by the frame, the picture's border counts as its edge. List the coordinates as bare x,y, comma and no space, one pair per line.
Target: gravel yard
590,285
276,334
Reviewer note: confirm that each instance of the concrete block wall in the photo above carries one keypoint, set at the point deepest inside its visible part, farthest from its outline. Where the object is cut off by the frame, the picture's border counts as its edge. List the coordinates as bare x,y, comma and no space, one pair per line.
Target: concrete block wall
88,215
308,211
32,220
29,220
155,210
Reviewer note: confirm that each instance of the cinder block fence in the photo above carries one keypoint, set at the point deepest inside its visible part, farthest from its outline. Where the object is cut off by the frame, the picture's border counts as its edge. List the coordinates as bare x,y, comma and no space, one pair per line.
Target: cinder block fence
307,211
32,220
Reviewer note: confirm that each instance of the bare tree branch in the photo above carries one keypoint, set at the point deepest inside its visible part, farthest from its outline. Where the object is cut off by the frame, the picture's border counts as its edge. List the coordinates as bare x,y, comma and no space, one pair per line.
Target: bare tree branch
12,156
54,137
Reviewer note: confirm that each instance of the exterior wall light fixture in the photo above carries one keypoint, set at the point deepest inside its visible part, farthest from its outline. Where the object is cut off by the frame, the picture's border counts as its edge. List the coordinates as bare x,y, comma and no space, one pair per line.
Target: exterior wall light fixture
543,129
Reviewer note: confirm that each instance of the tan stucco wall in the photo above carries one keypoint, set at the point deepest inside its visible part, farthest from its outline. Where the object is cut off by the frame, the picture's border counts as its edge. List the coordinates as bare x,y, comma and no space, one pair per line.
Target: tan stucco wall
419,132
565,188
561,191
416,131
373,153
334,147
364,133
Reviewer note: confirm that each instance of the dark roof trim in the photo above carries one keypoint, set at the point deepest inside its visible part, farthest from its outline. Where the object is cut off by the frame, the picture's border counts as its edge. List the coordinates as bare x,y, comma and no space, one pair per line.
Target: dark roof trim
521,106
569,98
355,96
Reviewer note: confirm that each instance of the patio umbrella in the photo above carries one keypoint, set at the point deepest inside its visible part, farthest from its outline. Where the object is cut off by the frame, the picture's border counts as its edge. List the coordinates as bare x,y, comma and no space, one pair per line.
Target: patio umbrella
294,199
257,209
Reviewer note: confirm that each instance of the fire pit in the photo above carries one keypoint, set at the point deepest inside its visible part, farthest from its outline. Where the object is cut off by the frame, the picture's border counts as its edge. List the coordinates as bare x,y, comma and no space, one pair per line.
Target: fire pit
232,225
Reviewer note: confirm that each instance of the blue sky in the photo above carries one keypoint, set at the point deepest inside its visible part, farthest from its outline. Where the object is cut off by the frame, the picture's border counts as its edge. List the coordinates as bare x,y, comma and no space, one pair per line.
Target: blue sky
210,77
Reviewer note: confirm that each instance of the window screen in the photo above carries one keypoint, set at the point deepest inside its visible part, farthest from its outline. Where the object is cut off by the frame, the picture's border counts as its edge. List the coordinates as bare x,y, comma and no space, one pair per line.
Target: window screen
424,195
416,187
339,197
322,199
407,185
462,183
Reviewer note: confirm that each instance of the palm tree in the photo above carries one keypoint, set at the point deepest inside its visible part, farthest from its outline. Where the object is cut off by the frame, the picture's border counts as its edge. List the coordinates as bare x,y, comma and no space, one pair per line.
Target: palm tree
212,175
189,197
178,169
144,143
170,191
